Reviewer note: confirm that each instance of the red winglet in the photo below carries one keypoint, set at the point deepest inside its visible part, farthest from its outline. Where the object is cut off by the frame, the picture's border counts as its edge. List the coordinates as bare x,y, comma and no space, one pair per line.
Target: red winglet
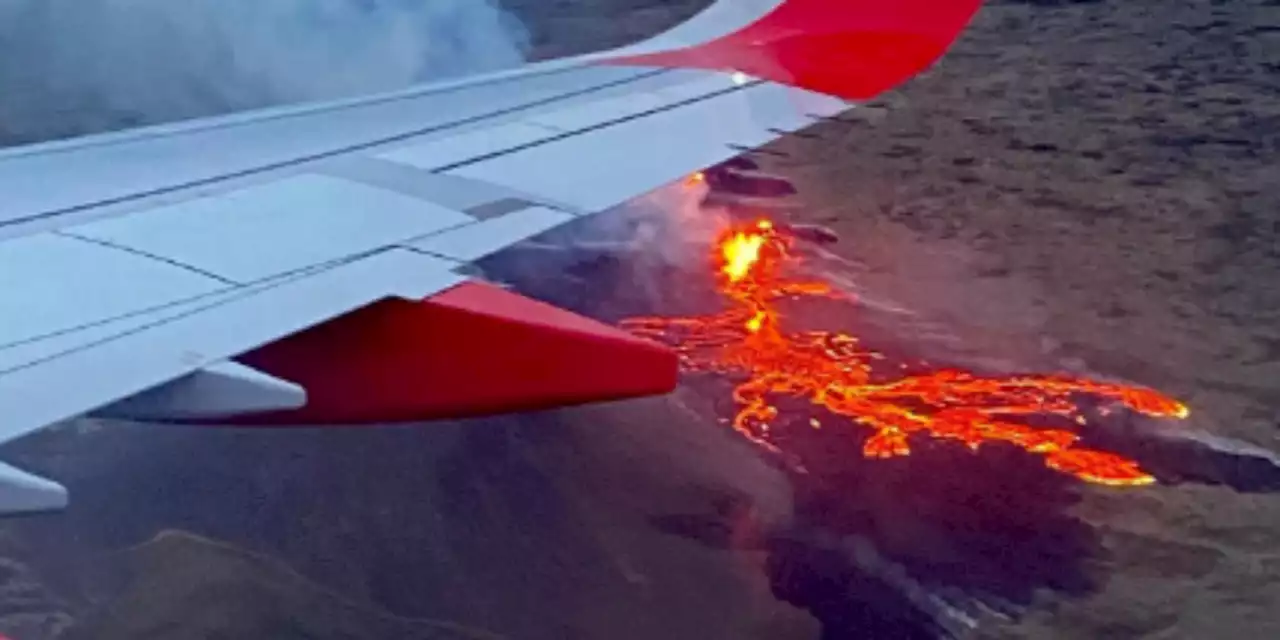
853,49
471,350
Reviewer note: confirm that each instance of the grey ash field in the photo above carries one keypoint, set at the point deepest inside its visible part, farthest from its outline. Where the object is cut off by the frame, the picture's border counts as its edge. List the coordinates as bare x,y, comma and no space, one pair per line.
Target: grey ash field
1077,185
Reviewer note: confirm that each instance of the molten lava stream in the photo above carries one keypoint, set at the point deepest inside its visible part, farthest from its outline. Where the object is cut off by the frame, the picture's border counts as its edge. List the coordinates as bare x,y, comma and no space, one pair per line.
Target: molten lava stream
834,371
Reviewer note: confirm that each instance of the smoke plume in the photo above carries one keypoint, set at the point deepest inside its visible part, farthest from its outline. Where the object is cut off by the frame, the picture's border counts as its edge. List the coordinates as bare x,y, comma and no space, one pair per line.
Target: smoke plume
69,67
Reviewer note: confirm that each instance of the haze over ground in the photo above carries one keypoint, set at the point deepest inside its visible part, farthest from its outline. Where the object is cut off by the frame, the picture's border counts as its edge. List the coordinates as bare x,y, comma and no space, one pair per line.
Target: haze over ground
1076,185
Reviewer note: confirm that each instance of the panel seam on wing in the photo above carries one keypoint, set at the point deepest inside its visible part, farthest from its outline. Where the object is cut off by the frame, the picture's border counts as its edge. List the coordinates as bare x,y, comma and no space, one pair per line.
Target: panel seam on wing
353,148
272,114
230,295
596,127
221,296
107,244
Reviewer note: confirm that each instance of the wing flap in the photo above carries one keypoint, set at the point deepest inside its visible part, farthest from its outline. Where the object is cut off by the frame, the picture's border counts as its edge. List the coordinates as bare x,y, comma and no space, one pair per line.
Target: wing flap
98,374
53,282
476,241
268,230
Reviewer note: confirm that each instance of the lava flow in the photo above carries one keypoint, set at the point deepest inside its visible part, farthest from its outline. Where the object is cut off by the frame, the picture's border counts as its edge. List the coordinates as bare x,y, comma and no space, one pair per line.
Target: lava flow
834,371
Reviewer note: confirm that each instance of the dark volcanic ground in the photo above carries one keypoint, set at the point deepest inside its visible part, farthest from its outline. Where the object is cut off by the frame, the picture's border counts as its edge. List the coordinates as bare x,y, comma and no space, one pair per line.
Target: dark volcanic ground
1092,185
1085,186
1078,185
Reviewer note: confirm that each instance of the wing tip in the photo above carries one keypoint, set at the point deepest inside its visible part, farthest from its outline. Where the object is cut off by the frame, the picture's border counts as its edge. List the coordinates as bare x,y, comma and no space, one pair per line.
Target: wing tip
852,49
475,349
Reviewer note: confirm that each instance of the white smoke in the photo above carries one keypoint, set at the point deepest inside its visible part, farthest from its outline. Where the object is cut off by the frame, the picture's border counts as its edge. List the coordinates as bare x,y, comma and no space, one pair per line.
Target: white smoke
77,66
673,223
664,230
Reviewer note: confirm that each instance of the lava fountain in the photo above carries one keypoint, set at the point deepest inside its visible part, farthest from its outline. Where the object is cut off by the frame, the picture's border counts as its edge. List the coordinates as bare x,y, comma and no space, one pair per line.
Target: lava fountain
748,343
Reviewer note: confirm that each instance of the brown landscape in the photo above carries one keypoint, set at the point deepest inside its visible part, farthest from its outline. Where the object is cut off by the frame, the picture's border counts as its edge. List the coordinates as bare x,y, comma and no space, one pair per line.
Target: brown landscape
1076,186
1096,182
1101,170
1092,186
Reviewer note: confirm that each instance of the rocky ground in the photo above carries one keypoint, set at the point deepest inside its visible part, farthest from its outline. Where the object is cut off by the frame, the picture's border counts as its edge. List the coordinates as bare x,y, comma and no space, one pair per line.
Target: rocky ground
1088,184
1078,185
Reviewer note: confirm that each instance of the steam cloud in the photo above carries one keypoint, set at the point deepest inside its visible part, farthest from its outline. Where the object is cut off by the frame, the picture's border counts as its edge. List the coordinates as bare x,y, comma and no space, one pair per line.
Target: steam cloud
69,67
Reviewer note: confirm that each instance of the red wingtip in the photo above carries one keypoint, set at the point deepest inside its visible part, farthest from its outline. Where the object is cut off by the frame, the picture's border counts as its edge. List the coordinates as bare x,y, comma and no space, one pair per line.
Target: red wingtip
853,49
474,349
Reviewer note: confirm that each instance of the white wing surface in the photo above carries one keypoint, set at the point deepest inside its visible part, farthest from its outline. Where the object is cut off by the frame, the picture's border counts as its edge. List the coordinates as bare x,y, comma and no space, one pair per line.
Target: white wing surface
207,270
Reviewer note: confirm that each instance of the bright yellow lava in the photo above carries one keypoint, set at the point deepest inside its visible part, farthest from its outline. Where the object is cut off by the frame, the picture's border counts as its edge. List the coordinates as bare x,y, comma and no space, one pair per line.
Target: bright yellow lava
741,251
834,371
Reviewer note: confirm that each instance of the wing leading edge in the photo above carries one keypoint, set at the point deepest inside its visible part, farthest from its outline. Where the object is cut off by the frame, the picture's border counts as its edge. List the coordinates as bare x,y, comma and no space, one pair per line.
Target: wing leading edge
306,264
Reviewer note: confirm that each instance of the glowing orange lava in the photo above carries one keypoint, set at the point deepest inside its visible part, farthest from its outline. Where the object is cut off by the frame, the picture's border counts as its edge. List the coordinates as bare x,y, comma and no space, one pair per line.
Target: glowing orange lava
834,371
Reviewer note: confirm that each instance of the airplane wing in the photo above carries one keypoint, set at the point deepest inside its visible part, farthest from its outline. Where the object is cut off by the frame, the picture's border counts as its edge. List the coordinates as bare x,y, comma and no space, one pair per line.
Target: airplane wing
307,264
